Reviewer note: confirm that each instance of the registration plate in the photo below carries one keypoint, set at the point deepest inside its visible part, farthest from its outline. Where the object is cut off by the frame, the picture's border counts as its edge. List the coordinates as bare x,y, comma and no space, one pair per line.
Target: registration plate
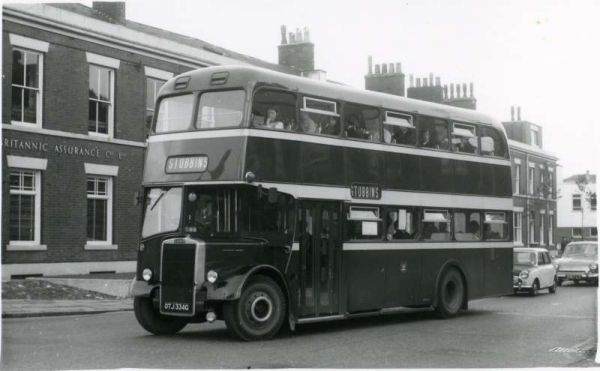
177,301
573,277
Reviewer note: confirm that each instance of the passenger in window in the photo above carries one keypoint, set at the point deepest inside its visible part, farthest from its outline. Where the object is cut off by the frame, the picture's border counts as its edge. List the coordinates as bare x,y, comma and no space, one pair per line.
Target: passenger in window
426,140
489,233
474,228
441,138
465,145
307,124
355,128
331,127
400,135
272,121
394,232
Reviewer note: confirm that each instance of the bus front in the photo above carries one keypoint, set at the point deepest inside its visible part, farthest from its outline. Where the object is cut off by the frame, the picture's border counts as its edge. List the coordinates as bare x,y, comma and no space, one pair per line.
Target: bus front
208,229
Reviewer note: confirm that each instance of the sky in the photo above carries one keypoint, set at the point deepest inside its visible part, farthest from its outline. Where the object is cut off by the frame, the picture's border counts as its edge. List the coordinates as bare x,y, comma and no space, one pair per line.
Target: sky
541,55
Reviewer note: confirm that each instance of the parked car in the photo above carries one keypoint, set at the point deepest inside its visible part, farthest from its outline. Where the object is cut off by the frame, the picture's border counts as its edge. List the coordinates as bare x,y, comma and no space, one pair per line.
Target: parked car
579,262
533,270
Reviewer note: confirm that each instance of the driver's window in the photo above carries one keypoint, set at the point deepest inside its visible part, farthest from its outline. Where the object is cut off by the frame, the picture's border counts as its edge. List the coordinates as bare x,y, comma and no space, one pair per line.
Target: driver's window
541,259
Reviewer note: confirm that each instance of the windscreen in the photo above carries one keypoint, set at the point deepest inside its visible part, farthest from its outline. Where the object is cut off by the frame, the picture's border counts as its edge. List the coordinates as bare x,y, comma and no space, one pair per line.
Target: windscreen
524,258
163,211
175,113
220,109
581,251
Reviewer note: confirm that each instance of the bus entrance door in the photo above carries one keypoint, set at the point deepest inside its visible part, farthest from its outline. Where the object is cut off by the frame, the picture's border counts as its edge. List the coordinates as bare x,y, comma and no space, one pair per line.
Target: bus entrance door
319,231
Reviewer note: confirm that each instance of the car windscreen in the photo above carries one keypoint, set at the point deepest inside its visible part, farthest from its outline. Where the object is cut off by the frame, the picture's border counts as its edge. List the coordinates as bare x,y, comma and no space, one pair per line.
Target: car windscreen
581,251
523,258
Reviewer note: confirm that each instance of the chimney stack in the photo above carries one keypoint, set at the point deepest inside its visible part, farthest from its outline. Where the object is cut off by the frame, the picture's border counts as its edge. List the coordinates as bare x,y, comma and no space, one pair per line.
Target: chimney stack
297,52
113,10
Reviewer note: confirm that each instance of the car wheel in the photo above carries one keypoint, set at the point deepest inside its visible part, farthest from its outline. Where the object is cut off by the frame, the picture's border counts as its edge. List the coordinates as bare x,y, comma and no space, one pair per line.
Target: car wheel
576,282
534,288
259,312
451,294
154,322
559,282
552,289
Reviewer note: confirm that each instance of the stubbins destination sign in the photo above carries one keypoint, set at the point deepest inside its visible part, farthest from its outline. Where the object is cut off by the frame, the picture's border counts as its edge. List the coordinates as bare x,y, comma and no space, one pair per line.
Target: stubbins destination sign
365,191
186,164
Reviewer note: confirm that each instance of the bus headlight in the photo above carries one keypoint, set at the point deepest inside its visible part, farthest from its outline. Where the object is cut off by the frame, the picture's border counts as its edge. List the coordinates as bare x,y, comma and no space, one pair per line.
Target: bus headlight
147,274
212,276
524,275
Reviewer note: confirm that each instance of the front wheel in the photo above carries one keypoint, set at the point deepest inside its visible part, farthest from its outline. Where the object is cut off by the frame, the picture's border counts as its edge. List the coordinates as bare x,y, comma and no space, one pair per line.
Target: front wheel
450,294
259,312
534,288
152,321
552,289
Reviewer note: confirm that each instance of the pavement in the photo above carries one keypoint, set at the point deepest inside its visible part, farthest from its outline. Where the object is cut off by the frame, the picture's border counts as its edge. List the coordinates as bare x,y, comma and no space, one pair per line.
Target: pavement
116,288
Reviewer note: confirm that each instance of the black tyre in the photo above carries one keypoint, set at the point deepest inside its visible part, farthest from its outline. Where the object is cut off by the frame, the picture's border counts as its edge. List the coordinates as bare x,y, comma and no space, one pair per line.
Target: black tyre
154,322
450,294
534,288
552,289
259,312
559,282
576,282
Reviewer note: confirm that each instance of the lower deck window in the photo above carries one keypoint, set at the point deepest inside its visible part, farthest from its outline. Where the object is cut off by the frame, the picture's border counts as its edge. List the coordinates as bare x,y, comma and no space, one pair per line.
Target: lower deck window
364,223
436,225
467,226
495,227
401,224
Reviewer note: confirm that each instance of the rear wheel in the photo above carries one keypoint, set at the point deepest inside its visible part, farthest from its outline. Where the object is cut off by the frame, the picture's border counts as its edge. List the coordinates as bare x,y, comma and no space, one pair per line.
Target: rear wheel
259,312
152,321
559,282
534,288
450,294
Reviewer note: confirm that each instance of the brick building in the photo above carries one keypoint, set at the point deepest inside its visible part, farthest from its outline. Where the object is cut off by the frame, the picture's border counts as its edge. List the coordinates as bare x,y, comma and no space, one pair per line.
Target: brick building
78,92
534,169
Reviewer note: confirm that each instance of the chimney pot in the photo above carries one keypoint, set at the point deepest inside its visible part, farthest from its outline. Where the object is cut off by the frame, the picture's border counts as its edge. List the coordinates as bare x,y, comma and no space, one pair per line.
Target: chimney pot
445,92
292,38
384,68
438,82
471,92
418,82
398,67
411,80
283,35
519,113
391,68
370,65
430,79
298,35
464,89
306,35
377,70
452,91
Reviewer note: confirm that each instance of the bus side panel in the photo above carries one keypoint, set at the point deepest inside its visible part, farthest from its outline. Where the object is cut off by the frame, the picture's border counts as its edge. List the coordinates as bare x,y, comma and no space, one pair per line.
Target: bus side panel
498,271
365,279
224,159
472,261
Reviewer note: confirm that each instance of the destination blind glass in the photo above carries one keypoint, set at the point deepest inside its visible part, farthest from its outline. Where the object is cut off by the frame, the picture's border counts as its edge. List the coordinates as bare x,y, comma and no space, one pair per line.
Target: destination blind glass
186,164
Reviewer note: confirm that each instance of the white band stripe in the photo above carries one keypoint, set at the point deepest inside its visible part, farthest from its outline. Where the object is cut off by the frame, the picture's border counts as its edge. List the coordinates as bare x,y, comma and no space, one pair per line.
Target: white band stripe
323,140
355,246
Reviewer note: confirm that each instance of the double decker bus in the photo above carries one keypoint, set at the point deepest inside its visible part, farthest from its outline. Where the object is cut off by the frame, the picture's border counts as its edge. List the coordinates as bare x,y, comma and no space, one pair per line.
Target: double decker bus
272,199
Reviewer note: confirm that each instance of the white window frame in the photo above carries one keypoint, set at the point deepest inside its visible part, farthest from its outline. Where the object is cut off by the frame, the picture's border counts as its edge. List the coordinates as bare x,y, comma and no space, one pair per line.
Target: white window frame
576,235
35,165
531,231
155,91
592,206
321,112
550,230
542,183
111,102
518,227
408,118
575,196
533,132
542,228
107,172
530,178
39,89
593,235
517,189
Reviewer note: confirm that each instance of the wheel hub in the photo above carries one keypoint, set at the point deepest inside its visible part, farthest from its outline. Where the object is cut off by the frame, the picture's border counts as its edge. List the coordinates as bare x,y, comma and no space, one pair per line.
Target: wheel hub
261,308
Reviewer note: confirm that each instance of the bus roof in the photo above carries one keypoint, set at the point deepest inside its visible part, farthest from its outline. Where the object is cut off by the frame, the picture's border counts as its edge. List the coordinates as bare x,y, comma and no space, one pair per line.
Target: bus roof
242,76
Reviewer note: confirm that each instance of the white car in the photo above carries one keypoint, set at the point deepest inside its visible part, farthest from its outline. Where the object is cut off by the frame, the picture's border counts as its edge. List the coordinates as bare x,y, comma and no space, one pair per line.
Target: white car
579,262
533,270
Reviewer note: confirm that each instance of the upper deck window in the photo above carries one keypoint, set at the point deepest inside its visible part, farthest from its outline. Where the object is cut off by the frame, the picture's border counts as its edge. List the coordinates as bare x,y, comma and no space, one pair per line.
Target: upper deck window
492,143
175,113
274,109
220,109
319,116
398,128
464,138
433,133
362,122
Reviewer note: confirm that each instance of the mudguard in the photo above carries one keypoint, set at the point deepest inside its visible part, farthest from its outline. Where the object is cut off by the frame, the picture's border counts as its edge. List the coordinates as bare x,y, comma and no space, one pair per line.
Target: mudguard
232,287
